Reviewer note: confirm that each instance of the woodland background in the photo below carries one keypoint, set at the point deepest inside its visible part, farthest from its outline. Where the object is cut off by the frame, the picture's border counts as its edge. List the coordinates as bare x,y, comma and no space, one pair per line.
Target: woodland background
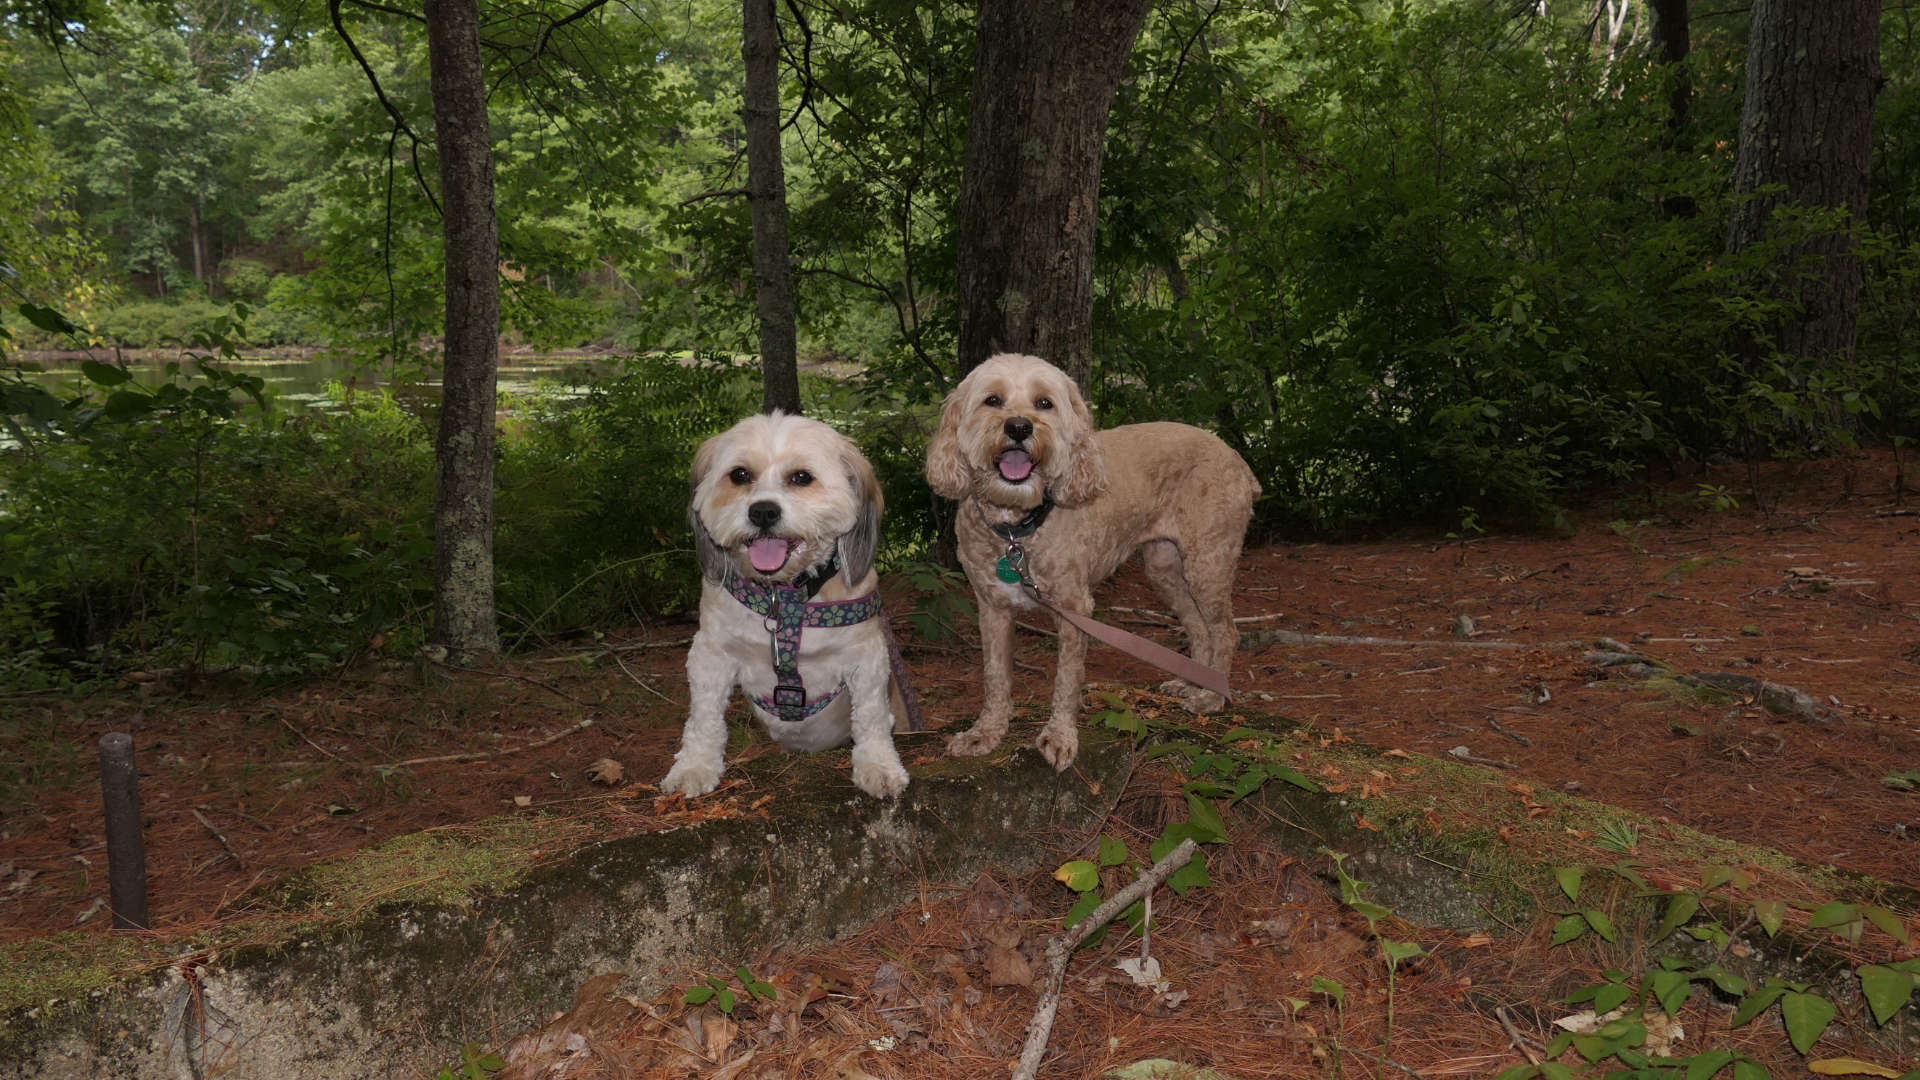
1439,262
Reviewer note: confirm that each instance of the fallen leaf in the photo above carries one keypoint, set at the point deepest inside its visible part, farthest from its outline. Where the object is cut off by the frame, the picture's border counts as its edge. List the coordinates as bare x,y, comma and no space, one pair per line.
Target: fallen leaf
1006,967
1664,1033
523,801
1433,821
1362,823
1145,971
717,1032
1479,939
606,771
1396,752
1850,1067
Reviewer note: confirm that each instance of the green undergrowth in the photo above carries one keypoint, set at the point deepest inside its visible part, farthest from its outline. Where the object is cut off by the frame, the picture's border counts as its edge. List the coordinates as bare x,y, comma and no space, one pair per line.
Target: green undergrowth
1663,912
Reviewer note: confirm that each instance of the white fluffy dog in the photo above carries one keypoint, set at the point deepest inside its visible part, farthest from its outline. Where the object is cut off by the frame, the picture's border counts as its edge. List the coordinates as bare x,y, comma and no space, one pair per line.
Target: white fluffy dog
786,517
1017,447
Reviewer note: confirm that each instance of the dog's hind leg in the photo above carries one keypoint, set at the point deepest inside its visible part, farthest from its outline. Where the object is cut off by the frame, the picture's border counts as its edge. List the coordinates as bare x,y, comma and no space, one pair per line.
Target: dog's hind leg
1209,574
1165,570
996,711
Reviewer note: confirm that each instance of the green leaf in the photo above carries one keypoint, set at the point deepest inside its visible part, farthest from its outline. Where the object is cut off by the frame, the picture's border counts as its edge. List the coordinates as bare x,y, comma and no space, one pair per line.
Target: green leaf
1716,877
1396,951
1832,913
1553,1070
1610,997
1331,988
1681,908
1806,1016
1291,776
1771,915
127,404
104,374
1082,908
697,995
1078,875
1569,879
1756,1003
1601,925
1749,1069
1670,989
1206,820
724,998
1704,1065
53,322
1192,875
1112,852
1889,923
1887,991
1518,1072
1568,929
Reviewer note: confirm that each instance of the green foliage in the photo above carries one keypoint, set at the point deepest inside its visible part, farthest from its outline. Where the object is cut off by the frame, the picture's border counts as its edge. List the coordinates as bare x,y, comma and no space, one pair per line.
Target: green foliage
591,510
474,1064
717,990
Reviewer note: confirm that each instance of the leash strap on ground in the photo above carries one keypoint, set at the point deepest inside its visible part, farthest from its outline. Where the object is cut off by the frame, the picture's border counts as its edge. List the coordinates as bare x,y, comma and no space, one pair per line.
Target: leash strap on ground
916,720
1151,651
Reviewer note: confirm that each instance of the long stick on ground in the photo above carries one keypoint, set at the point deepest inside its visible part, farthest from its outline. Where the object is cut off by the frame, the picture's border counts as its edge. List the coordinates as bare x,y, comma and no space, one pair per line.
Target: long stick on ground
1060,950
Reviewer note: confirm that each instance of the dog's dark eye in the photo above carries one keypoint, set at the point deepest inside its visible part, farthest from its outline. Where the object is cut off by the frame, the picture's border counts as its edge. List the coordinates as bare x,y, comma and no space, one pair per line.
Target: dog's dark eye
740,476
800,478
993,401
1045,403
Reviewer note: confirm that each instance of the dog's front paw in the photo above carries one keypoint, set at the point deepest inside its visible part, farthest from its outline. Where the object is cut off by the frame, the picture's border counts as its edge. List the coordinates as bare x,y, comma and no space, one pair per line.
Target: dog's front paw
1059,744
689,779
880,779
976,740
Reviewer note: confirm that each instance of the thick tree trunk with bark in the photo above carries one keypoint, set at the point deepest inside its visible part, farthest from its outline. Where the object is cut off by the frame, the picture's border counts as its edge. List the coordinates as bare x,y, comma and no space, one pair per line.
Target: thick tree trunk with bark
1813,69
1044,79
767,201
463,613
1672,37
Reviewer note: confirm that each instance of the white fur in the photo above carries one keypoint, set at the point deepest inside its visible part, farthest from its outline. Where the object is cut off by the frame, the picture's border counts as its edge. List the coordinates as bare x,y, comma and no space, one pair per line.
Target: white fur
840,507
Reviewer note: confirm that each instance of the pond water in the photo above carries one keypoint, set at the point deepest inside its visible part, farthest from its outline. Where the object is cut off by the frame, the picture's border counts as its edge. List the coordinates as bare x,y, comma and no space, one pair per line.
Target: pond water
299,379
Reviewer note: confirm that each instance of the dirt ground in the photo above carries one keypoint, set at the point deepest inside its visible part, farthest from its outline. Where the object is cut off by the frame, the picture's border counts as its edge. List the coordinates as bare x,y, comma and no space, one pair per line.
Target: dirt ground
1817,591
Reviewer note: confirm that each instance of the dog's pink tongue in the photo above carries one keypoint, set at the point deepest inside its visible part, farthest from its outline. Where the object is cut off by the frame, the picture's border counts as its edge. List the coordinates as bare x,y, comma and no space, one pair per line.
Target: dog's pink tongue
1015,465
767,554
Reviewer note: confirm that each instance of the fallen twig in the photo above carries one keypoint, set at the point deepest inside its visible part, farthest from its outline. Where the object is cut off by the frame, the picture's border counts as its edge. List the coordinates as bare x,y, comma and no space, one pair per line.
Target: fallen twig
1520,1044
1508,732
218,835
1461,753
1260,638
636,679
288,724
485,755
1060,950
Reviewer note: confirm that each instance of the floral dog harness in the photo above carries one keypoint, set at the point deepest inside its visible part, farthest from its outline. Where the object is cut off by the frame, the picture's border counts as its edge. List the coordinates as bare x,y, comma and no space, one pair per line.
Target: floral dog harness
788,609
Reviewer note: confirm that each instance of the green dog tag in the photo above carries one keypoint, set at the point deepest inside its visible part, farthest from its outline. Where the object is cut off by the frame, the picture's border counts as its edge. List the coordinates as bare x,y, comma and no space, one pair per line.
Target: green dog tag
1005,572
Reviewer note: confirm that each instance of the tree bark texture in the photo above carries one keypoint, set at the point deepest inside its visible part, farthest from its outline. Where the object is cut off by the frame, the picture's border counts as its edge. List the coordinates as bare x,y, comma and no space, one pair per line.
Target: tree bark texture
463,496
1813,69
1672,36
767,203
1045,72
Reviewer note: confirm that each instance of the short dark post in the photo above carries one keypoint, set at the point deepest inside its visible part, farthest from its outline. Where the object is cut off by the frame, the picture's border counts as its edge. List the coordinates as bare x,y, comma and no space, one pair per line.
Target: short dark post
126,852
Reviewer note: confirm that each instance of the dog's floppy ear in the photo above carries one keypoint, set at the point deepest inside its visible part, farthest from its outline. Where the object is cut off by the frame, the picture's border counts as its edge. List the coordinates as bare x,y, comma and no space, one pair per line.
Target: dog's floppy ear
1085,474
947,472
858,545
710,556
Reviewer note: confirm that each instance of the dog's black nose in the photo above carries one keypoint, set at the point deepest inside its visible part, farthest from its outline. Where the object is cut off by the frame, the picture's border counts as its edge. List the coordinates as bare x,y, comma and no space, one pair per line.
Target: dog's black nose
1017,428
764,515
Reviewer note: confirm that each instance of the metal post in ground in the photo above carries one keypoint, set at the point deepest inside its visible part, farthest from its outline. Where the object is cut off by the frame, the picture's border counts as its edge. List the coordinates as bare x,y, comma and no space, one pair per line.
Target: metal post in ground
126,851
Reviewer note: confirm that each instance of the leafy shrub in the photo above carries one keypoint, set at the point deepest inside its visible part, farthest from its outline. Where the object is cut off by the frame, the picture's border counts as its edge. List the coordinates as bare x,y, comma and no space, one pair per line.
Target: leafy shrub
159,526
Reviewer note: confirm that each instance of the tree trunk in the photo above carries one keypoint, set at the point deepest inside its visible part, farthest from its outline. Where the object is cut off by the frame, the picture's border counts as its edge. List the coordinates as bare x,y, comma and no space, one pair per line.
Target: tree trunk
463,612
1813,69
1672,41
1672,37
767,201
196,231
1043,81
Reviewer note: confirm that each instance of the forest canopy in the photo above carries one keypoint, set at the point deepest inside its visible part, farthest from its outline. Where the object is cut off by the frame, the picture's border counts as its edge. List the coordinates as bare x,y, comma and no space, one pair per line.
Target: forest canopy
1437,260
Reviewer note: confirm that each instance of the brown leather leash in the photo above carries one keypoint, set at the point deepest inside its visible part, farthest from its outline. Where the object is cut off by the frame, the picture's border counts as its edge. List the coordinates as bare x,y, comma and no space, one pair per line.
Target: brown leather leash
1173,663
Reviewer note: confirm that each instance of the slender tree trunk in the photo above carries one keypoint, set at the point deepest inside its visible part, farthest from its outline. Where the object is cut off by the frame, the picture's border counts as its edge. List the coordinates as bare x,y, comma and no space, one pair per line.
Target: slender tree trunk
767,201
196,232
1672,37
1813,69
463,497
1043,81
